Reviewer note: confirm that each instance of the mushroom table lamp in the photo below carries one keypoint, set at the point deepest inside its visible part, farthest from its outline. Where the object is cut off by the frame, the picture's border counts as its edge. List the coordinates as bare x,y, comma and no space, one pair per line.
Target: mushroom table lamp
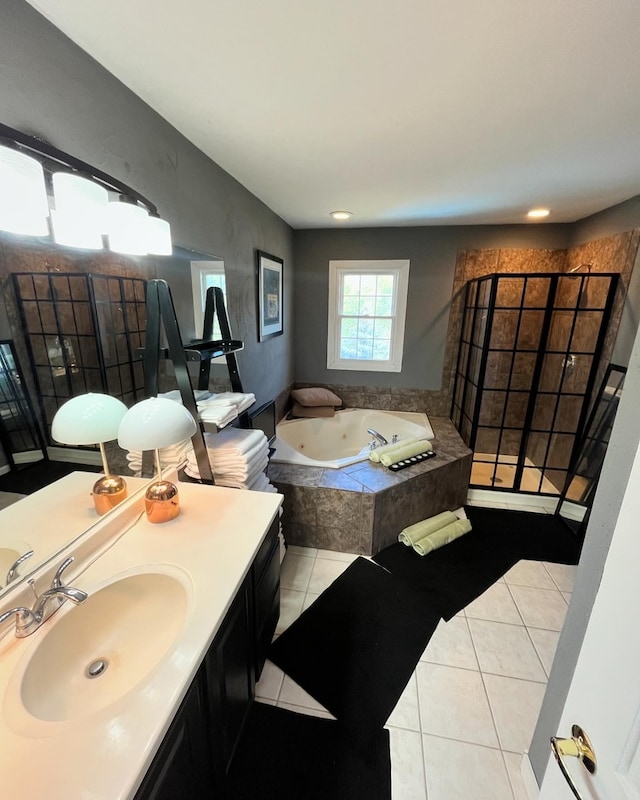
93,418
151,425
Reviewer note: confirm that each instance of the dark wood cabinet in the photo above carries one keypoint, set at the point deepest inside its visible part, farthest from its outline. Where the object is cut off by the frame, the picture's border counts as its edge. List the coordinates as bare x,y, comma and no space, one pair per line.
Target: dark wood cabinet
194,757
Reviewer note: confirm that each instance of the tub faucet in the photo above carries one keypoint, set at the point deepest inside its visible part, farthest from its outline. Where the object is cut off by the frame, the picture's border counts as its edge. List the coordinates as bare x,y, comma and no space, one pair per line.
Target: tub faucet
28,620
377,435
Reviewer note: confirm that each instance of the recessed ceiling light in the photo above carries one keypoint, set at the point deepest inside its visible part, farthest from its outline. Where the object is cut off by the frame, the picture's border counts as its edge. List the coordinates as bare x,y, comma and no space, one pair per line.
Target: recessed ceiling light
538,213
341,214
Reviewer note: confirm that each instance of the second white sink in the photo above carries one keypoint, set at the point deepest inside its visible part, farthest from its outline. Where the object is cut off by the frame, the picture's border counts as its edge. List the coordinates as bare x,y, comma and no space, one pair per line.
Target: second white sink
101,649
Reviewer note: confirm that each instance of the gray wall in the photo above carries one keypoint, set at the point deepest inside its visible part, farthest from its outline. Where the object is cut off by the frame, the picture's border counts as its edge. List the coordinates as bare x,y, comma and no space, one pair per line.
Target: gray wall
432,252
52,89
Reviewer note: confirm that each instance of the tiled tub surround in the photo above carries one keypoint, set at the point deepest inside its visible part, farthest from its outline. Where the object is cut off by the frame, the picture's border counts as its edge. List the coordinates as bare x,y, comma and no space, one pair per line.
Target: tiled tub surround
363,507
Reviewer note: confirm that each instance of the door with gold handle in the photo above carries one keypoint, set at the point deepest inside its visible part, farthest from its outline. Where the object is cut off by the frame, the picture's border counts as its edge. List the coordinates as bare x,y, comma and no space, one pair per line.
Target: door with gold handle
577,746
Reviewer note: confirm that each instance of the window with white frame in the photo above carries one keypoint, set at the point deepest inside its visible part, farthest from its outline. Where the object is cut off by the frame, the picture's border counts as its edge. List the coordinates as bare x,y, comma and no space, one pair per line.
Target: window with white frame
367,309
203,275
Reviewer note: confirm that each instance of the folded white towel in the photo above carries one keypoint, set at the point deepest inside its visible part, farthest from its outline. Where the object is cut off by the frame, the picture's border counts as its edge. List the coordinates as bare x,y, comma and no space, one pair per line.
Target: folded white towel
240,399
233,441
174,394
218,415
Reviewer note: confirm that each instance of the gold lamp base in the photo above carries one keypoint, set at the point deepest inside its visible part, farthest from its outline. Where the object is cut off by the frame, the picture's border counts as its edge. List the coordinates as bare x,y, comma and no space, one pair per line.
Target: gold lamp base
108,492
161,501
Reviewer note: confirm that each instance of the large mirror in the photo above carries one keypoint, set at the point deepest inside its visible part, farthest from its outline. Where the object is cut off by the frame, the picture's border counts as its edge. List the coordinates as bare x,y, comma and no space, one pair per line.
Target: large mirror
72,323
577,497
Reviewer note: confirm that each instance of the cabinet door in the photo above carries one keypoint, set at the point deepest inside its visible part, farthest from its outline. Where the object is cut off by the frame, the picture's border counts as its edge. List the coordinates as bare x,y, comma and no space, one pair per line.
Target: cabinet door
266,601
181,769
230,680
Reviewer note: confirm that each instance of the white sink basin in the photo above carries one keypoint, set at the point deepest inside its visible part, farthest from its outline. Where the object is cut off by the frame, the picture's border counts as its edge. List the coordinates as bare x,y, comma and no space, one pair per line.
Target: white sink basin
96,652
8,558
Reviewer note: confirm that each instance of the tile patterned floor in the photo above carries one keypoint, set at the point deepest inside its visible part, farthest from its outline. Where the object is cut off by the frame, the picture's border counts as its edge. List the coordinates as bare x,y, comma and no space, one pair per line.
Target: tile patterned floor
468,713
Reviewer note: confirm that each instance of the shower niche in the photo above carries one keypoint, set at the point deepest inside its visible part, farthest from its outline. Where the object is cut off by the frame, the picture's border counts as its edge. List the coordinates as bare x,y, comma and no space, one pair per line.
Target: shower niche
528,361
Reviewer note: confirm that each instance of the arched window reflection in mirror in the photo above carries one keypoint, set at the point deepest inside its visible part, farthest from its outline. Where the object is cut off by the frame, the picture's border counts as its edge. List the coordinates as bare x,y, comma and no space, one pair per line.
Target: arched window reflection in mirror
577,497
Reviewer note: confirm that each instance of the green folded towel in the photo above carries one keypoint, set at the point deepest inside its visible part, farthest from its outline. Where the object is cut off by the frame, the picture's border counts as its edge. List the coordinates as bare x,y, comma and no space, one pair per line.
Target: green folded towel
442,536
374,455
406,452
426,527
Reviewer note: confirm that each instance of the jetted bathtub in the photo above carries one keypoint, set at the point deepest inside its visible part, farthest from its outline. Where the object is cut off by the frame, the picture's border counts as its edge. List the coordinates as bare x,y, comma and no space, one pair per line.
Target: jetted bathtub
337,441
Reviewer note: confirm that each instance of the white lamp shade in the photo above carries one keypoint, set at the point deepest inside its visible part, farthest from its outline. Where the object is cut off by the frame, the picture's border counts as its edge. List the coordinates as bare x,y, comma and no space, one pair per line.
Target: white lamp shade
88,419
127,228
159,233
80,216
23,196
155,423
70,231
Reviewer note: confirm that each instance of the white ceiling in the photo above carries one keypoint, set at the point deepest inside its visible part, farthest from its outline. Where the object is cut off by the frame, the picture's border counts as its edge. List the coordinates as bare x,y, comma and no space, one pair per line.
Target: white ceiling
412,112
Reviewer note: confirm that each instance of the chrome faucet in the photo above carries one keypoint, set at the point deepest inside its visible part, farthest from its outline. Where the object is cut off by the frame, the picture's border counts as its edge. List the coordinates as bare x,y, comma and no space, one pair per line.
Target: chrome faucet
28,620
377,435
13,569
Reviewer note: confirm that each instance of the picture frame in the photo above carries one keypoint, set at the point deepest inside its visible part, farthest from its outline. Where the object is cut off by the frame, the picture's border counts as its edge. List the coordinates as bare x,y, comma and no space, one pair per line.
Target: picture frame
269,287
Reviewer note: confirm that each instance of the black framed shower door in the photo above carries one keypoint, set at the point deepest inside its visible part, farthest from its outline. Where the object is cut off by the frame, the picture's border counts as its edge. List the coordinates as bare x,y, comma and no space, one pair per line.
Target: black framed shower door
529,355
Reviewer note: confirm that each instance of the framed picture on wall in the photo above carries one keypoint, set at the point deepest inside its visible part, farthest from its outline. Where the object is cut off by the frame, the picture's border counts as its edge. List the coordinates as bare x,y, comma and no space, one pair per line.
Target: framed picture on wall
270,320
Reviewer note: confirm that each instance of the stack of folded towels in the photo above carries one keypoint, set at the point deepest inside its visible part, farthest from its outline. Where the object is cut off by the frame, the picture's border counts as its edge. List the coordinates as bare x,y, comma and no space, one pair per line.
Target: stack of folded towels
219,409
173,457
392,453
432,533
238,458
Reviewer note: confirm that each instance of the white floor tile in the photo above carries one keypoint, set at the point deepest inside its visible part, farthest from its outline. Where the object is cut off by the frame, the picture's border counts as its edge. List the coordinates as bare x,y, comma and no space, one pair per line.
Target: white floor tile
407,765
515,705
540,608
334,555
564,575
309,598
297,550
530,573
270,683
310,712
495,604
567,596
291,603
324,573
453,703
513,762
506,650
451,645
294,694
406,714
295,572
463,771
545,643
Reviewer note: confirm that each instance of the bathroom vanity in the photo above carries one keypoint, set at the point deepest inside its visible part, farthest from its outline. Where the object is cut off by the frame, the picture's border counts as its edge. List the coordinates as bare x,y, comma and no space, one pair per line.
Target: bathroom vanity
179,617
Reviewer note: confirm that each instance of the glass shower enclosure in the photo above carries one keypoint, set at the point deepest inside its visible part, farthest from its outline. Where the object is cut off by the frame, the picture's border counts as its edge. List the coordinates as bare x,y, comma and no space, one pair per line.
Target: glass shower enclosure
529,356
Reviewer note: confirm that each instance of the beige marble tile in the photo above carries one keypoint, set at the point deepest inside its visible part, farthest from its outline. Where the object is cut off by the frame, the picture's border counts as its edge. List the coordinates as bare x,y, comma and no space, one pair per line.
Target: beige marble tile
406,714
529,573
309,599
545,643
270,683
291,603
513,763
310,712
464,771
563,575
407,765
540,608
298,550
324,573
453,703
334,555
291,692
495,604
295,572
451,645
506,650
515,705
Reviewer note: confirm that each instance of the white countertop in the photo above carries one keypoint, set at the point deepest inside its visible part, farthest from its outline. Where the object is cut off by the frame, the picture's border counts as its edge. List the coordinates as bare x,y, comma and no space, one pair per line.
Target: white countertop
104,756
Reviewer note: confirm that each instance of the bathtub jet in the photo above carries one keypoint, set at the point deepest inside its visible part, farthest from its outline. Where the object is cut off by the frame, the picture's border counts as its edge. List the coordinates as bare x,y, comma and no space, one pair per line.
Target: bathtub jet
335,442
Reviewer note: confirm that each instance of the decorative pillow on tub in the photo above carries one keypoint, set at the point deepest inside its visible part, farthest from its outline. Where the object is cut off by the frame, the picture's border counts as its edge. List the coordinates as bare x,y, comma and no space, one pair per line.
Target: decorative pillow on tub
312,411
316,397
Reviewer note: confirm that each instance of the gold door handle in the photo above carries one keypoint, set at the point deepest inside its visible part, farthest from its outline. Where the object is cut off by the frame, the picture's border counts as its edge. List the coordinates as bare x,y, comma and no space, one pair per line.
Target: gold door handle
578,746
